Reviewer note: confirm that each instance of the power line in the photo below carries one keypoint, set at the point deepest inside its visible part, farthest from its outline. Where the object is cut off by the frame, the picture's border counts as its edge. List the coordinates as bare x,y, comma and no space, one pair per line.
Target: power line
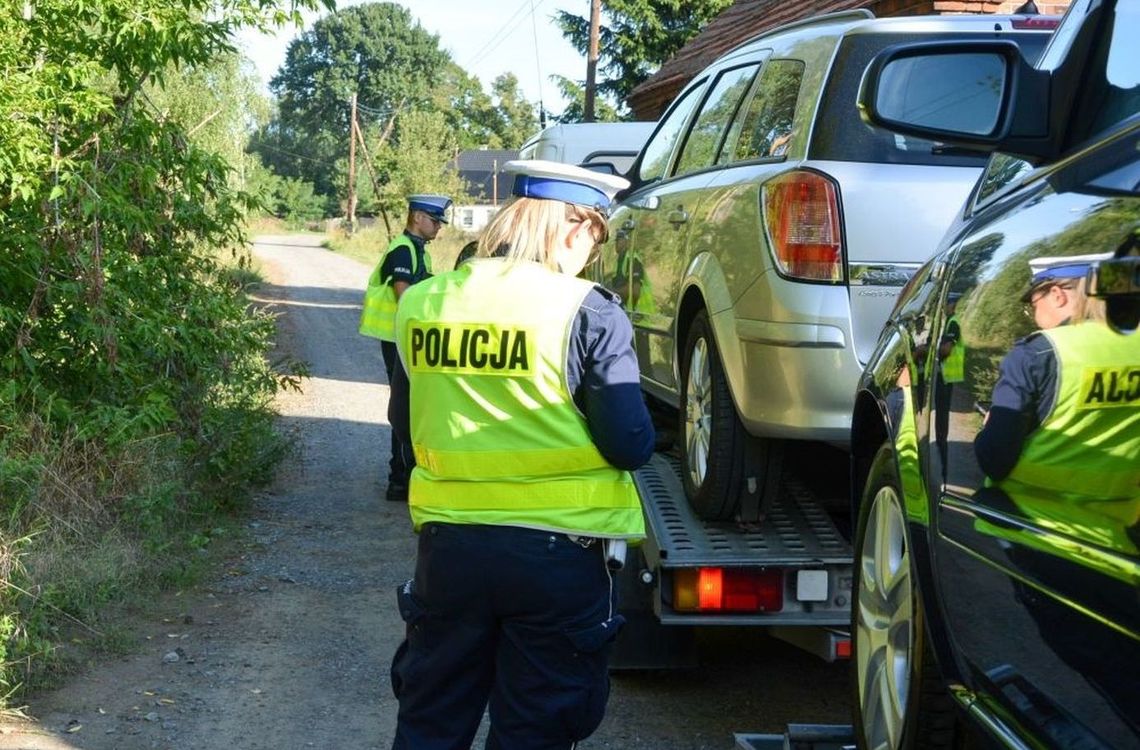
537,59
494,38
505,31
290,153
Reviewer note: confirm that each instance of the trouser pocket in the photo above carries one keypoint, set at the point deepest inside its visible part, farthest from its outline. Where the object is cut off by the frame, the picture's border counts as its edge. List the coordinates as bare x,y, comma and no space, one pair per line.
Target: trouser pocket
412,613
590,650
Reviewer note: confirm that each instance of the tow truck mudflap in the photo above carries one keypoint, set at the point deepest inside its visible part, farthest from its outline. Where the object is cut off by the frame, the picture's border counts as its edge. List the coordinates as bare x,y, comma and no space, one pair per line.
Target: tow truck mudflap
801,737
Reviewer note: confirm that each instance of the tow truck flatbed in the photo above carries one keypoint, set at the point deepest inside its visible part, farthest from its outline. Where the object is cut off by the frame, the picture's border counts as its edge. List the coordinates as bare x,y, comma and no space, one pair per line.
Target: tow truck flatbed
796,542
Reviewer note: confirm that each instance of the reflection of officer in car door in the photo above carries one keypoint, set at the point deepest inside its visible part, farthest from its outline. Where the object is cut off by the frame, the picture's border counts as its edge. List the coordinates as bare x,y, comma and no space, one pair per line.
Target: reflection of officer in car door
405,262
1061,442
526,415
632,283
952,353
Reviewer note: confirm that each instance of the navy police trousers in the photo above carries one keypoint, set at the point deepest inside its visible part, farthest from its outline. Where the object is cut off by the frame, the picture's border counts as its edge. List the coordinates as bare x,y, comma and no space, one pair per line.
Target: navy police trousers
511,619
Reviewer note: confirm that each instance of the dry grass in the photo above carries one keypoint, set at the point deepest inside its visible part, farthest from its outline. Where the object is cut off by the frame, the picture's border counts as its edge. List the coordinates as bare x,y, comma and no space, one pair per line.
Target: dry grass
82,527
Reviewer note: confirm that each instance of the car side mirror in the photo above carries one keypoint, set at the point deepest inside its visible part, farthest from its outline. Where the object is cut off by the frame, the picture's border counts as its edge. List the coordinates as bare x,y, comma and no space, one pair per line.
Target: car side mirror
604,167
980,95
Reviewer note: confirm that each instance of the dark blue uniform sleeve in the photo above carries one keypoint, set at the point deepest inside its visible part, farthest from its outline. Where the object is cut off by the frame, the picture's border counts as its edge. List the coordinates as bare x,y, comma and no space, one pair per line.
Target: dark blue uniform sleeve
1023,396
602,375
397,266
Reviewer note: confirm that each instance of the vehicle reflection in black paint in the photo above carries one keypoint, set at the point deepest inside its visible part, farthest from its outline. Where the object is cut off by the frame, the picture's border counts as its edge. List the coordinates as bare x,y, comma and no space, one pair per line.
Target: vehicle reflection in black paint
1029,600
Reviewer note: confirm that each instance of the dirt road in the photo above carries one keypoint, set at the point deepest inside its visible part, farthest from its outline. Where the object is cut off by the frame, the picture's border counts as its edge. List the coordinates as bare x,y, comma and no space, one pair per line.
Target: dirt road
289,647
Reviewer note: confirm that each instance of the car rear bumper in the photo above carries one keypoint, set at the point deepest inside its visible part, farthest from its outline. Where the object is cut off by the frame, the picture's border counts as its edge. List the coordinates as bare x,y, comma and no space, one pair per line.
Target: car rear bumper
798,380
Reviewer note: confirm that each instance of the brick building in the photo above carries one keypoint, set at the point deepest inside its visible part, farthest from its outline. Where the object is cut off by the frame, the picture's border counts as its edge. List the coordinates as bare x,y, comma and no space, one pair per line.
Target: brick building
745,19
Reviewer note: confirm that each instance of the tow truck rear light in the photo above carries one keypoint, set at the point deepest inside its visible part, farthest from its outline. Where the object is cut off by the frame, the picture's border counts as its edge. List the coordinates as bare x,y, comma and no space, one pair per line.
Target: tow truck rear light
728,590
801,216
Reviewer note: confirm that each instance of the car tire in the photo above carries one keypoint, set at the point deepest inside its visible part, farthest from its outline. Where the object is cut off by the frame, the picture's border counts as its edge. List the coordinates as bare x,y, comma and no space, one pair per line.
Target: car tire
899,696
713,440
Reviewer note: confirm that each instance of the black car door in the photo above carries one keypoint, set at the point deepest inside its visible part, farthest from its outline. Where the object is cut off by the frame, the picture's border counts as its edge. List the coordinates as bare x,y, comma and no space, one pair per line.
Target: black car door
1042,601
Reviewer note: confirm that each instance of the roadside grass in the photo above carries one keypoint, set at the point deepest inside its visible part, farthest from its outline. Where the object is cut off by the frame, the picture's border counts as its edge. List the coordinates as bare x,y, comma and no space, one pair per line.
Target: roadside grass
87,534
97,518
368,245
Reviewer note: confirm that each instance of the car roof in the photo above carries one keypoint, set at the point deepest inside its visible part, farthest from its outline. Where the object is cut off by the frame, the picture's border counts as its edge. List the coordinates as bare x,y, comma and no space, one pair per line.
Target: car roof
862,21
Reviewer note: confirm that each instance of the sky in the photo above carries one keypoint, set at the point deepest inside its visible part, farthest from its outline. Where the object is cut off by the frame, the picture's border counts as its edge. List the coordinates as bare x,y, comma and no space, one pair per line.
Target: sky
485,37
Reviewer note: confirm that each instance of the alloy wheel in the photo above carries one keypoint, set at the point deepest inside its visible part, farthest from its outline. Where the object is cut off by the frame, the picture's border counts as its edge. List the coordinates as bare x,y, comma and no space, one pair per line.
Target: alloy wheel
698,413
885,624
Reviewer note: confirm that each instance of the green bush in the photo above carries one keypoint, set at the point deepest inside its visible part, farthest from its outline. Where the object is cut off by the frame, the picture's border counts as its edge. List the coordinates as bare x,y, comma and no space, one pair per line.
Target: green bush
135,395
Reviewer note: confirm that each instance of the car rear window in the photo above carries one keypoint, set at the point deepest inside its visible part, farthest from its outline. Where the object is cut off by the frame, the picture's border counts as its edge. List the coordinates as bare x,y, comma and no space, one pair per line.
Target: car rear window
840,135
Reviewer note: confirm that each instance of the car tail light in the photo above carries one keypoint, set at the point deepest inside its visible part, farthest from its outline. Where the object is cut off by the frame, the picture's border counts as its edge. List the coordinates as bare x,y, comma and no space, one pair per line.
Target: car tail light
1035,23
801,215
728,590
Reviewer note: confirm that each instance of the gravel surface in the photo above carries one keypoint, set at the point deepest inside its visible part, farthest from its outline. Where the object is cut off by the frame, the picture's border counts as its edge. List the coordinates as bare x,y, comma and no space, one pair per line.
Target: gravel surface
289,647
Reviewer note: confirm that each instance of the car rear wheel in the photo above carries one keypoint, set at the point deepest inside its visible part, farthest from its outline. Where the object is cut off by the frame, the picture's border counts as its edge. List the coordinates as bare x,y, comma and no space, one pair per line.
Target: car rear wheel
714,443
901,701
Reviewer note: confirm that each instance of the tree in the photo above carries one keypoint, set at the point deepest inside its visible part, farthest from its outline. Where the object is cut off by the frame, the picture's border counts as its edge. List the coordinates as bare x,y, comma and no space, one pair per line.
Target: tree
504,119
576,110
418,159
515,116
636,37
376,51
216,103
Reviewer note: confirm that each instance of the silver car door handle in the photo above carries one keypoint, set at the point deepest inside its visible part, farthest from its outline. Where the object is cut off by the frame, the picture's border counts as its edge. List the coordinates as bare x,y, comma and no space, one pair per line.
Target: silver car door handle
678,216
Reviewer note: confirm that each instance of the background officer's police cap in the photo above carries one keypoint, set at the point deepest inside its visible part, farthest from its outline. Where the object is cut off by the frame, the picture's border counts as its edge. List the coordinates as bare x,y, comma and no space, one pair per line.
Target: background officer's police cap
550,180
432,205
1058,268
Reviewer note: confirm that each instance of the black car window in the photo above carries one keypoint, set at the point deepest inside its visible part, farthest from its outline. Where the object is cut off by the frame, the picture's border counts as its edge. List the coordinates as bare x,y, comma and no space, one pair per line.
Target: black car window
710,125
1112,87
655,157
764,127
1001,171
840,135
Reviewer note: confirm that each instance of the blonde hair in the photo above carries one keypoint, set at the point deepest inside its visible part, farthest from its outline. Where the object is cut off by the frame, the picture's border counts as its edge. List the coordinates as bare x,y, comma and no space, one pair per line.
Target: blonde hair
1086,308
530,229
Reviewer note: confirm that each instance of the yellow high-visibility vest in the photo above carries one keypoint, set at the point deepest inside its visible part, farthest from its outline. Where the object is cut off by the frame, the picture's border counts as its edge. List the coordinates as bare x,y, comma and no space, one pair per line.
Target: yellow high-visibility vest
378,316
1079,472
496,434
954,366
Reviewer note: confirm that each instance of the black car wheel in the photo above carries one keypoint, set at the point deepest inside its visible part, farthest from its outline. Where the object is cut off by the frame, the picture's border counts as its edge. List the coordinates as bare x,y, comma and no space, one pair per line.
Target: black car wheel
713,441
901,701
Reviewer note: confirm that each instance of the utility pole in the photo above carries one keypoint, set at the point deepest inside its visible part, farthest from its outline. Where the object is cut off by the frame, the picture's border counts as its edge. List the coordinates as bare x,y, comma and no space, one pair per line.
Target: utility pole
592,60
351,217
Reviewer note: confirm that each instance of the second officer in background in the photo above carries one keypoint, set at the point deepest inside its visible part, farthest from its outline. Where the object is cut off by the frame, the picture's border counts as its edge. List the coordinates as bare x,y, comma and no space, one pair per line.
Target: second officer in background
404,263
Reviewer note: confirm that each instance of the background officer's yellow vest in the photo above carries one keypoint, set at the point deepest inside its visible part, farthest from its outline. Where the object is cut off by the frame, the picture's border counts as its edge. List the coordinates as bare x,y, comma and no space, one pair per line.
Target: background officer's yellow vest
378,318
1079,472
954,366
496,434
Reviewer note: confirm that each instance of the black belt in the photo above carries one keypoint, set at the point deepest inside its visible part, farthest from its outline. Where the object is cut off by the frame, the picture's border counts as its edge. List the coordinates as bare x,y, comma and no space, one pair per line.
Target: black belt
585,542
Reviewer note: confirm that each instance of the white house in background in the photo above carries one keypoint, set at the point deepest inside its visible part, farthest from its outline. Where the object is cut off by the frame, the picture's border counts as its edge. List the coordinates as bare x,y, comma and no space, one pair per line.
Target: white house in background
488,186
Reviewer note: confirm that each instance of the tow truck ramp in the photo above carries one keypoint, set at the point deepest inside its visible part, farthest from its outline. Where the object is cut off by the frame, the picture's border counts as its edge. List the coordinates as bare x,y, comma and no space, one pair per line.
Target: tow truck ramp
801,737
797,540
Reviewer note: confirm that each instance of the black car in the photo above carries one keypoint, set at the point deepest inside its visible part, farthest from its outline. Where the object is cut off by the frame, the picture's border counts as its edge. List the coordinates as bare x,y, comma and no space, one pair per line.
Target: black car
996,431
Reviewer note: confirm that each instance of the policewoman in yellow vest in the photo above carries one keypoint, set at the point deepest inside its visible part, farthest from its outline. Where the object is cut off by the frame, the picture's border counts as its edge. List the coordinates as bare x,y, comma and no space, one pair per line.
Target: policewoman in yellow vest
1062,437
526,417
1061,448
404,263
